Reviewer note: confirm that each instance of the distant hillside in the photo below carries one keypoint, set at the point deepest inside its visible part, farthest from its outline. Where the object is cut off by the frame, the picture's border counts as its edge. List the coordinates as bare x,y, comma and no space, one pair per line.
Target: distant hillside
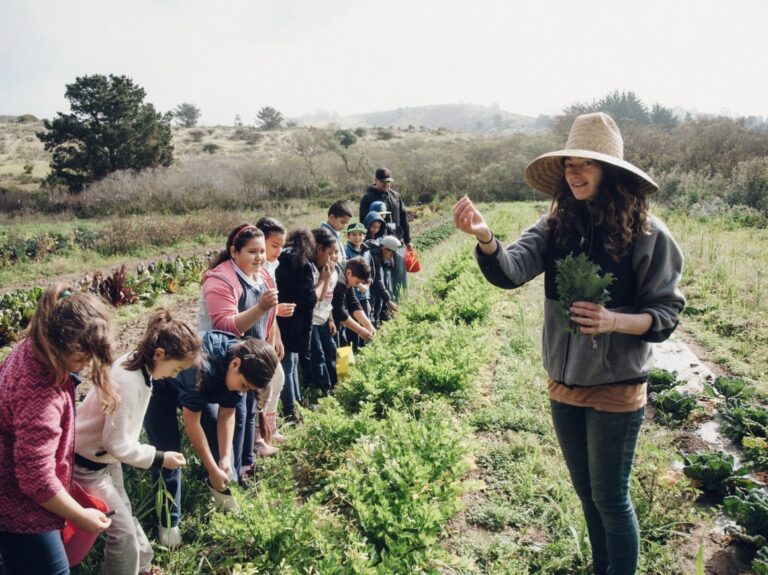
453,117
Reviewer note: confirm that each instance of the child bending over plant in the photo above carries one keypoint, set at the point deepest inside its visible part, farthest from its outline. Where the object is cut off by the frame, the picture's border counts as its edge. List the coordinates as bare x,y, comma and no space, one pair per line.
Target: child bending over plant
104,441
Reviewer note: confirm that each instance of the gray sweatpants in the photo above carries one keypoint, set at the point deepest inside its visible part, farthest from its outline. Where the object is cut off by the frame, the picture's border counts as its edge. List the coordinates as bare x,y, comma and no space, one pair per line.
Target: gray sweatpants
127,550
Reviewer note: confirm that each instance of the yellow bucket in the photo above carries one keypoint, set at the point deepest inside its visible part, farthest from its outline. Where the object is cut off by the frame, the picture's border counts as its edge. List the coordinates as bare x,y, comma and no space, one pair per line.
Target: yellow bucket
345,358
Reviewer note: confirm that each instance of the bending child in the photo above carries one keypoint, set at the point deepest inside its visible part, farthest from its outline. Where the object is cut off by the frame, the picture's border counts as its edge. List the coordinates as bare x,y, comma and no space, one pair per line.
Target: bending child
230,367
104,441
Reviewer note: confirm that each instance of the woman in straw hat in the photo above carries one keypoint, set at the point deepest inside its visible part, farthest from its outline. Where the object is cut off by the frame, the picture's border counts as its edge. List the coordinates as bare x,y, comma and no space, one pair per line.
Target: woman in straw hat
597,366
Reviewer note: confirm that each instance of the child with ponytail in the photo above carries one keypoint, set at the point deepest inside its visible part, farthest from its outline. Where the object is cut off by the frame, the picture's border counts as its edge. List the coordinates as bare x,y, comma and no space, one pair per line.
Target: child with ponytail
229,368
104,441
274,240
69,332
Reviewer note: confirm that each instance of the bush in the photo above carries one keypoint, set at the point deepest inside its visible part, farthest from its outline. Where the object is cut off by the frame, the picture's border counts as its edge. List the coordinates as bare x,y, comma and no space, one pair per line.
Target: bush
749,186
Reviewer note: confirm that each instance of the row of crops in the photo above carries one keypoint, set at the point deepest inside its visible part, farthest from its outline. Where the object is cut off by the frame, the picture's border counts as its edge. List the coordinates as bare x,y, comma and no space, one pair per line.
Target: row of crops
369,479
743,419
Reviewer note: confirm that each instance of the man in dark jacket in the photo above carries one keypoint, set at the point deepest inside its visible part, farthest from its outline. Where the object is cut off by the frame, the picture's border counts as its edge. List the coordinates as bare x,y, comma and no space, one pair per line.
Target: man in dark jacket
382,191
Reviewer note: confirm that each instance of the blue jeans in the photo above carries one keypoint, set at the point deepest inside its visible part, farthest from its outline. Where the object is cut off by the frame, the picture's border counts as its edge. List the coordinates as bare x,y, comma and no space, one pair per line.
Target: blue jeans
33,553
290,393
160,423
322,358
599,448
245,431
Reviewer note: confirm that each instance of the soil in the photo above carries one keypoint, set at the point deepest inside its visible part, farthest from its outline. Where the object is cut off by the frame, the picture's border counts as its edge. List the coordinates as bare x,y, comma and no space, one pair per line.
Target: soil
723,555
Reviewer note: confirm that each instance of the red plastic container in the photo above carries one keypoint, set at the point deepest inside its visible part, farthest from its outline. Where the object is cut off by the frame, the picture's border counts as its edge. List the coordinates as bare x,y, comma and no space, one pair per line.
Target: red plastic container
77,542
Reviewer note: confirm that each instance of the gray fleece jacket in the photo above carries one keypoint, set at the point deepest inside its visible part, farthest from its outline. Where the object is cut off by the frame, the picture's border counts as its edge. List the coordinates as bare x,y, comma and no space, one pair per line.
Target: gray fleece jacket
646,281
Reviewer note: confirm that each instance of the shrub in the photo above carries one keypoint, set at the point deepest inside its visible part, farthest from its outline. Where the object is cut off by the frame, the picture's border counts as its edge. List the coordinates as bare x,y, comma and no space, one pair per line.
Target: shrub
749,186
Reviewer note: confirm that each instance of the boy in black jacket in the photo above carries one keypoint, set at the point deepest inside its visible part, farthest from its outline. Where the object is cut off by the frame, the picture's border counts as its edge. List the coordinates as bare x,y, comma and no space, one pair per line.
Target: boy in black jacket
347,310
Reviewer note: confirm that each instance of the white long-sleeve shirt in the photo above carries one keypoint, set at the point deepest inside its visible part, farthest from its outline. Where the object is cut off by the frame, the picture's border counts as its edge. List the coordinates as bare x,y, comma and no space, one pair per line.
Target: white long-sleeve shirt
116,433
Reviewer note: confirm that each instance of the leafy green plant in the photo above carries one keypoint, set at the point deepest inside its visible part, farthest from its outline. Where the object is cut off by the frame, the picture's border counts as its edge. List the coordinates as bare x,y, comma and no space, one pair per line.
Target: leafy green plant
16,309
730,387
580,279
661,379
428,238
756,452
466,301
750,510
713,473
760,562
321,442
673,407
273,533
401,486
742,419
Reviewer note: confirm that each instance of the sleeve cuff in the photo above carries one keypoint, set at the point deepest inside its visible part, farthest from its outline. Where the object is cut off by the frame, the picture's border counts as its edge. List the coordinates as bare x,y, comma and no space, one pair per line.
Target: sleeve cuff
157,462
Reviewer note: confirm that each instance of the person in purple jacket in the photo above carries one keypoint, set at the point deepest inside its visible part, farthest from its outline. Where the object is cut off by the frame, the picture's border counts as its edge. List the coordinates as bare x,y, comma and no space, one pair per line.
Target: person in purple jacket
69,332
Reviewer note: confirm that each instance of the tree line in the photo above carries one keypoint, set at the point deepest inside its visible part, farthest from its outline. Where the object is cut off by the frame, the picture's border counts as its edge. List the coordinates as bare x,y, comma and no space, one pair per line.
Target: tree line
111,128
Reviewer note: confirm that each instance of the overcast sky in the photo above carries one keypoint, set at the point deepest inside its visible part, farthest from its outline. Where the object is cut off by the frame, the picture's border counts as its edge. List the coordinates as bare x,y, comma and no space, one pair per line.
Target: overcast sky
530,57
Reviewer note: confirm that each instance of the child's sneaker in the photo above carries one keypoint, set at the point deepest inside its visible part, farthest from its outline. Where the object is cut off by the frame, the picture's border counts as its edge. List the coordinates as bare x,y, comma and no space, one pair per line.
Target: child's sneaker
169,536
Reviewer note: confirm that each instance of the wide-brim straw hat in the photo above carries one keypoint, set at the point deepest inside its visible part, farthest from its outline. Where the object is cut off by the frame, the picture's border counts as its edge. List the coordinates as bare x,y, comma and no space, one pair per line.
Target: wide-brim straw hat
595,136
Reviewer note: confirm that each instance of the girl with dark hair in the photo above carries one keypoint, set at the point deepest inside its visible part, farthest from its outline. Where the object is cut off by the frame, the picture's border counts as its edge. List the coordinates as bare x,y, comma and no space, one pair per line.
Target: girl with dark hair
237,298
70,331
597,365
104,441
274,239
302,277
229,368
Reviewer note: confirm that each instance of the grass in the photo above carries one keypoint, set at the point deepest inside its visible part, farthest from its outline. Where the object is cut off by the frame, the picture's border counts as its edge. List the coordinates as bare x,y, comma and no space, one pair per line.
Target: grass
521,515
726,284
140,237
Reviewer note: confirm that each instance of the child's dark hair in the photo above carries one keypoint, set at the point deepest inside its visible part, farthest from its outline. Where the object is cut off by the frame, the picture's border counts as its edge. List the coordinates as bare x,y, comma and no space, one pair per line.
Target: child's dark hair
258,362
302,244
174,336
323,238
359,268
269,226
340,209
68,322
237,238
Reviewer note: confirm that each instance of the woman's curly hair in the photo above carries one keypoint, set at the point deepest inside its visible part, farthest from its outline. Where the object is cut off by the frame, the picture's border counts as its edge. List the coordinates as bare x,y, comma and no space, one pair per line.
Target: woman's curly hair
619,209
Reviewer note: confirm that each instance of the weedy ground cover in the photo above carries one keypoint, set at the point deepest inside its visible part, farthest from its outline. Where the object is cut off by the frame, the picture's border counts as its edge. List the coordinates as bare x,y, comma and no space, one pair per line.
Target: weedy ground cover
725,281
33,251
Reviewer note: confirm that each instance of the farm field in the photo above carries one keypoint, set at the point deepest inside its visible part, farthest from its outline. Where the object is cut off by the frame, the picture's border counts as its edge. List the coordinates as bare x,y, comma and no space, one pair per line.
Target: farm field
437,455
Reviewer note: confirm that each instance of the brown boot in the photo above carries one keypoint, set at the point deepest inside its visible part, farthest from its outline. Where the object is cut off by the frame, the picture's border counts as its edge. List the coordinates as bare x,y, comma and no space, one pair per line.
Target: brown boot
277,437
